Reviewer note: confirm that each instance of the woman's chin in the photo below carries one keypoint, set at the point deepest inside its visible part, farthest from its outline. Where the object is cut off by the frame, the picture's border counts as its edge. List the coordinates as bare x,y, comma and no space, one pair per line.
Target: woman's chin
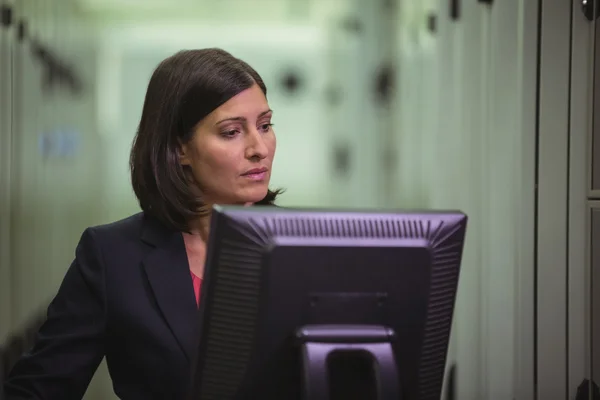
254,196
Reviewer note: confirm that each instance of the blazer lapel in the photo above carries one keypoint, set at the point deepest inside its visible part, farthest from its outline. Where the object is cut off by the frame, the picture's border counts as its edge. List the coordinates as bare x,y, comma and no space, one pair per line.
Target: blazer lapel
168,271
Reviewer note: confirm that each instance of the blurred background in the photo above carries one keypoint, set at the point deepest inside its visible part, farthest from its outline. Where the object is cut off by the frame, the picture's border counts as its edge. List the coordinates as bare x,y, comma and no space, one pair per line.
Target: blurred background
482,106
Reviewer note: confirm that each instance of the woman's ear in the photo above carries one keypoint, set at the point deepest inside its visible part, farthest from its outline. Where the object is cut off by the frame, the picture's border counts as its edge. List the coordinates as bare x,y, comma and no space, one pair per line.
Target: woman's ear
184,154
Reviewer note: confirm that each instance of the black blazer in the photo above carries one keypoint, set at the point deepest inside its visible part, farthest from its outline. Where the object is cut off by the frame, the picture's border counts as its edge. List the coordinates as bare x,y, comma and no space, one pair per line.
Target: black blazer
128,296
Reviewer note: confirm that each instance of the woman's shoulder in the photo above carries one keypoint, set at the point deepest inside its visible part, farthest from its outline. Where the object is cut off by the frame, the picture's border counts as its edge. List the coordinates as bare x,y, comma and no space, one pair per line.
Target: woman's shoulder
132,222
120,231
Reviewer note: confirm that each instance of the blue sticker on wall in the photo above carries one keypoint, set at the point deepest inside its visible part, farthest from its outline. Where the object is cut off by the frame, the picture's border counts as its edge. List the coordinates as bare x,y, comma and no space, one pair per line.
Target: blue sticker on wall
60,143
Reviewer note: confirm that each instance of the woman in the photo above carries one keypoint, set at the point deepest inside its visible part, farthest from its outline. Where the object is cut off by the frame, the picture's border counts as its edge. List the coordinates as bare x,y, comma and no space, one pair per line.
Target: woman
205,137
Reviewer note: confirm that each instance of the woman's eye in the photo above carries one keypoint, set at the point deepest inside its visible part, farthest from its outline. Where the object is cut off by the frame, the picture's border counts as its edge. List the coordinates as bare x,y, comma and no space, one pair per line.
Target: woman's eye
229,134
265,127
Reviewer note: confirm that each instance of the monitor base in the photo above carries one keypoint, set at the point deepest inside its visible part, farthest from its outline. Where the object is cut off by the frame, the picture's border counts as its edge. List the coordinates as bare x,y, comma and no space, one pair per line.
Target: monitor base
319,342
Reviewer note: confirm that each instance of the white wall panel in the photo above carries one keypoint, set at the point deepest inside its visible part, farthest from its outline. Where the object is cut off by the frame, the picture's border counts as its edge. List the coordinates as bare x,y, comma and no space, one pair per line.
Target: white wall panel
474,149
524,236
53,192
6,110
504,198
579,224
552,269
474,36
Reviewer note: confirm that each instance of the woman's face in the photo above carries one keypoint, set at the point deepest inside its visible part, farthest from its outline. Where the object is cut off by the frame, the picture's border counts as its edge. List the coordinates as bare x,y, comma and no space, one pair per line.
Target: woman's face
231,151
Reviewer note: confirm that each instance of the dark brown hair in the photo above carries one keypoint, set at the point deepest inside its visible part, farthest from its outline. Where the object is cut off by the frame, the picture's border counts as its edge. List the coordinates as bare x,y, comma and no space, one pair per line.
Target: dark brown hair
183,90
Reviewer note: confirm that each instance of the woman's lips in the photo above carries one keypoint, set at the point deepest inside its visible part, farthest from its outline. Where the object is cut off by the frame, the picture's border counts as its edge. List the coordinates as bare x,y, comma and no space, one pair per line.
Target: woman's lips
257,174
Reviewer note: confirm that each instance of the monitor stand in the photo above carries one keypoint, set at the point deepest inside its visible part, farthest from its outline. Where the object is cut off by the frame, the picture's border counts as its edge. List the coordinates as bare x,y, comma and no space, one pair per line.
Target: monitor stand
318,342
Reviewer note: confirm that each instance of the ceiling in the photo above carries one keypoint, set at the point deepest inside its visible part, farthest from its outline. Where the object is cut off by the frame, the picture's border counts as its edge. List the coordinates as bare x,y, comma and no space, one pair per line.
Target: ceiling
201,9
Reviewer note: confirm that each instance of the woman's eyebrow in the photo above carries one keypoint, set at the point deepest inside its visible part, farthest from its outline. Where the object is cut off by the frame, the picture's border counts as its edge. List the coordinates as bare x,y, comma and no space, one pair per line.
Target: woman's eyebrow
243,119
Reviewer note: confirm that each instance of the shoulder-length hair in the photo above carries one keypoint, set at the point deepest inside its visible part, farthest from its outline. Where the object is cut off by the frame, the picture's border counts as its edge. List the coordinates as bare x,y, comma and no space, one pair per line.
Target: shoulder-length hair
183,90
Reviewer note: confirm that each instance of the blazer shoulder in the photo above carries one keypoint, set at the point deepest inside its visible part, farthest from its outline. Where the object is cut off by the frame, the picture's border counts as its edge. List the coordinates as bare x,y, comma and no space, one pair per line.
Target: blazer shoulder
129,227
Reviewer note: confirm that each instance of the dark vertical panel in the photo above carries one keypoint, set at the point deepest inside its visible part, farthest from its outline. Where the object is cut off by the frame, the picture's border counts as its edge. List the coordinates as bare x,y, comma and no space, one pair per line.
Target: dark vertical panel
454,9
595,175
595,292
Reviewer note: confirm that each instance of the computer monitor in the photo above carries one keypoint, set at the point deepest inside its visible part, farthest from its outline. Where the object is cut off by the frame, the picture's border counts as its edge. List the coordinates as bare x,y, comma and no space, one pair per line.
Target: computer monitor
320,304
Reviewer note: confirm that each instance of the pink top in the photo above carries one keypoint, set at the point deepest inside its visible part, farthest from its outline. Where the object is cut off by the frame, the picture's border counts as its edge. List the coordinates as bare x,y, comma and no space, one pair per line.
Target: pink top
197,282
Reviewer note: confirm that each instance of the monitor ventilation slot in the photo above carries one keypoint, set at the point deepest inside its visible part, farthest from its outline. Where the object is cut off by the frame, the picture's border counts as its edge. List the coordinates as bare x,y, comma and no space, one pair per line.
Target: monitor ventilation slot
353,228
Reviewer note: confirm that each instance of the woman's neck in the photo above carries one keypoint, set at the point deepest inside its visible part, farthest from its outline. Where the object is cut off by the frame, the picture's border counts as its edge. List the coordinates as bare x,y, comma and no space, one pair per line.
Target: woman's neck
200,228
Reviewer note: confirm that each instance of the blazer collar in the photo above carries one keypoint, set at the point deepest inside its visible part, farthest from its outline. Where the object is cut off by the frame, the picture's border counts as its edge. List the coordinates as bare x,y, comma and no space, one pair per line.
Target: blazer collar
168,272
